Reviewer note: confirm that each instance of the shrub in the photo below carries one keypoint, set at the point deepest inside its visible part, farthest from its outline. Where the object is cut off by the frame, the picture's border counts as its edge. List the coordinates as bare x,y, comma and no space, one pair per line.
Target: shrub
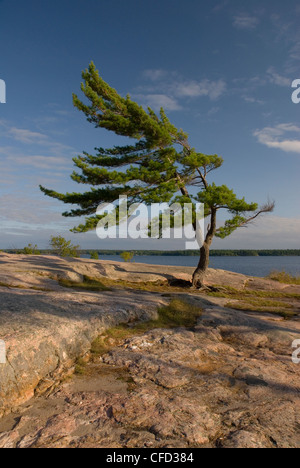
31,250
127,256
94,255
63,248
283,277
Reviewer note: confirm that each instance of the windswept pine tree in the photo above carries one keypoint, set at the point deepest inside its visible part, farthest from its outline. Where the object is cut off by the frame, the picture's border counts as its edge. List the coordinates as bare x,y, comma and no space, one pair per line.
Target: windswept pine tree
159,166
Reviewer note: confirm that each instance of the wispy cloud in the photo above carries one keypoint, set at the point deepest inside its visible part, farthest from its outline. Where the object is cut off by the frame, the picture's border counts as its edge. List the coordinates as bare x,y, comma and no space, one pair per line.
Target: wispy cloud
213,111
31,148
250,88
292,64
245,21
39,162
253,100
156,101
211,89
274,137
169,89
21,134
154,74
18,208
27,136
32,137
287,31
271,232
220,6
278,79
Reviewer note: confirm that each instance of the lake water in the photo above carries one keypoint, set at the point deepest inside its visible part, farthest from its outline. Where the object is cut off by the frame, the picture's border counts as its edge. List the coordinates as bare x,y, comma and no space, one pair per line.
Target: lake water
252,266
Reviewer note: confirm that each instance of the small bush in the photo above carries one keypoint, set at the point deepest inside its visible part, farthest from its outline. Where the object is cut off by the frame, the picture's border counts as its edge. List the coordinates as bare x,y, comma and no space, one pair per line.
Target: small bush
63,248
31,250
127,256
284,277
94,255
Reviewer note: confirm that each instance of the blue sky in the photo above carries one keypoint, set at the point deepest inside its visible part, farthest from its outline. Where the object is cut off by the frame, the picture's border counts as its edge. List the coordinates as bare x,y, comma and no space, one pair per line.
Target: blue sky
221,69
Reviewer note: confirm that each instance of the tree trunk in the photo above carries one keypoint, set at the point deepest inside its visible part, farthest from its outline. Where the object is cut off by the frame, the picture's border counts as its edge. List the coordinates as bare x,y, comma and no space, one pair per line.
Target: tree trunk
200,272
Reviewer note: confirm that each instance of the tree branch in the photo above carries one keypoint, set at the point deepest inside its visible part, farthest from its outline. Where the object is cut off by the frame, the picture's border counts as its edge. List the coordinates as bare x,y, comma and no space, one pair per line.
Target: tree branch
267,208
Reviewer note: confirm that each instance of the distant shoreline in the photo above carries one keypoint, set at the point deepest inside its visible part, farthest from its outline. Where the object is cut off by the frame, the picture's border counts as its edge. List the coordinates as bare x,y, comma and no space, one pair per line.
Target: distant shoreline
184,253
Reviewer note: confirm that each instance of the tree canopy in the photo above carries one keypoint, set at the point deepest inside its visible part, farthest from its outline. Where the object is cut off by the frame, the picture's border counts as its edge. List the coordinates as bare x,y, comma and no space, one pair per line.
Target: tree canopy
159,166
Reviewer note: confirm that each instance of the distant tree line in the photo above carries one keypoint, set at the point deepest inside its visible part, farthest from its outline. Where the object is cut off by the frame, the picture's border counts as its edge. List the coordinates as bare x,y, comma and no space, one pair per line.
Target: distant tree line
95,254
195,253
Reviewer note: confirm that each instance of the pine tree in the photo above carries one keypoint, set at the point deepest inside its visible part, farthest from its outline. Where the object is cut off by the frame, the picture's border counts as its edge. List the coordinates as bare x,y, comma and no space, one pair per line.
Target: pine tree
159,167
64,248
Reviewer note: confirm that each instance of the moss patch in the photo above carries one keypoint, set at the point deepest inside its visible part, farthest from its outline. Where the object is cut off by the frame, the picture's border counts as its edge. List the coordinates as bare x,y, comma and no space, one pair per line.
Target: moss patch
80,366
157,286
111,338
88,284
232,293
274,302
177,314
281,309
21,286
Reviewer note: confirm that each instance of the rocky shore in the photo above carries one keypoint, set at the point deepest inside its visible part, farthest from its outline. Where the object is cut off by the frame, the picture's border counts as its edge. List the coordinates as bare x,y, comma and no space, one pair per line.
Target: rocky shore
229,381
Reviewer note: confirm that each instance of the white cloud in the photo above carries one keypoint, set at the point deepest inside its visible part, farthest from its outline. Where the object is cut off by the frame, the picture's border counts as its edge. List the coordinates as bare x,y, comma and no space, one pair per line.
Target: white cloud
29,211
212,89
220,6
27,136
39,162
213,111
25,150
22,135
156,101
277,79
30,137
295,51
154,75
269,232
253,100
245,21
273,137
189,89
286,31
169,89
